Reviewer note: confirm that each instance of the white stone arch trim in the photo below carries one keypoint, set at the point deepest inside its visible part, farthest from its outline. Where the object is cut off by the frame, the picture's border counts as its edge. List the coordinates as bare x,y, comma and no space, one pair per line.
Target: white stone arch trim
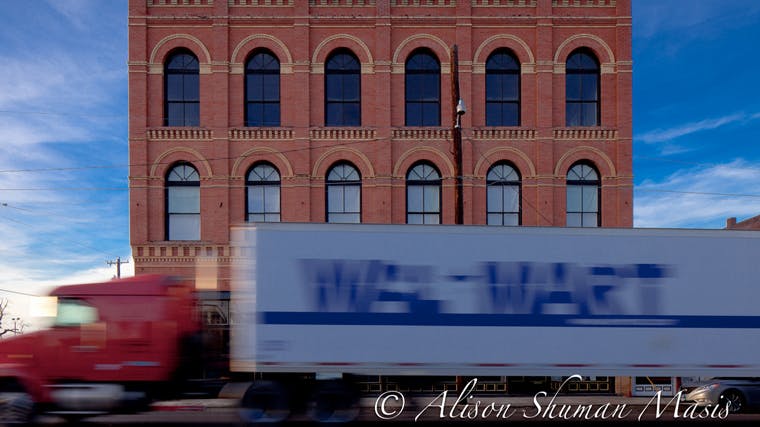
158,68
236,167
160,165
588,153
443,160
485,49
237,66
324,159
607,65
398,67
318,67
497,154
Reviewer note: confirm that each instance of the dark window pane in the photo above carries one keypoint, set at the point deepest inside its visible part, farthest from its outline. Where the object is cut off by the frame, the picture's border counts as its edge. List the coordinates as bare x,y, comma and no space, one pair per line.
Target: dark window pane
191,87
333,89
174,114
413,87
589,83
493,87
351,115
573,114
573,87
254,114
413,114
174,87
271,115
334,114
589,114
511,87
510,114
493,114
351,87
430,88
192,114
255,87
271,84
431,116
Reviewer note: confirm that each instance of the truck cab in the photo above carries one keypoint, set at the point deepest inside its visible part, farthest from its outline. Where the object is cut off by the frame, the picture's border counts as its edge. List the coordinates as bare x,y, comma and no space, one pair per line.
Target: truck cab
112,346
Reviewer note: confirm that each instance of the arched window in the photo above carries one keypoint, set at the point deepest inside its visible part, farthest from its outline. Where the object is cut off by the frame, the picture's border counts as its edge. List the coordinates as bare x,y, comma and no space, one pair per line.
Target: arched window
502,89
262,90
582,89
183,203
423,194
583,188
263,193
342,89
344,194
503,183
422,89
182,90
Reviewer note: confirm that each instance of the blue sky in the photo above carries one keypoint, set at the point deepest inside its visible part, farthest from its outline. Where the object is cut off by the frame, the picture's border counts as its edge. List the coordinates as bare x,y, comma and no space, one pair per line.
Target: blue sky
63,129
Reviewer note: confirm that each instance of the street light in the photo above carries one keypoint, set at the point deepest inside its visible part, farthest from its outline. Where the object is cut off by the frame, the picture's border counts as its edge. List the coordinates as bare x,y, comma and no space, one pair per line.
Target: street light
15,329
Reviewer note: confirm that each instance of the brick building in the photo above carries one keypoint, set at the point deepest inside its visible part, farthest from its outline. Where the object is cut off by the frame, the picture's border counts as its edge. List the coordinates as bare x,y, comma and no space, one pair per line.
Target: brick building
341,110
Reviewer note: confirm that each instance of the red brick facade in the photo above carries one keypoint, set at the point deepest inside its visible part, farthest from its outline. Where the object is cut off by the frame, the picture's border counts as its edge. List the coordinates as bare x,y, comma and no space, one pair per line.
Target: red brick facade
381,34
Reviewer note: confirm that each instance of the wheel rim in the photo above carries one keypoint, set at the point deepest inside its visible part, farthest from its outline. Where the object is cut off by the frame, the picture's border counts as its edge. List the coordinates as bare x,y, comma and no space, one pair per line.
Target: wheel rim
734,400
16,408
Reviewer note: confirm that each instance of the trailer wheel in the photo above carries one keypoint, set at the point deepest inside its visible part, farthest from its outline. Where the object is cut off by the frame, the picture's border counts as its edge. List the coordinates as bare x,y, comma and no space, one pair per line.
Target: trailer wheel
335,401
733,398
264,402
16,408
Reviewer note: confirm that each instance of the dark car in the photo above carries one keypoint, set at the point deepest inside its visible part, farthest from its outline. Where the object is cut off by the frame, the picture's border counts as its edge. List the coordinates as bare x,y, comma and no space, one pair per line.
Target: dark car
739,393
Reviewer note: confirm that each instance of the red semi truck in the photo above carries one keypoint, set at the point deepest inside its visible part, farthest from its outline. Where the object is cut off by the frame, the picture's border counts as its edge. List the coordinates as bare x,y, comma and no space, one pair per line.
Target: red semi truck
113,346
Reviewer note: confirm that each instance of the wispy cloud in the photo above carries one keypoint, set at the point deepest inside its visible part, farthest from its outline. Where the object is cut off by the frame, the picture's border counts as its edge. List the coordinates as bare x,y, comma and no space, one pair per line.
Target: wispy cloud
700,197
669,134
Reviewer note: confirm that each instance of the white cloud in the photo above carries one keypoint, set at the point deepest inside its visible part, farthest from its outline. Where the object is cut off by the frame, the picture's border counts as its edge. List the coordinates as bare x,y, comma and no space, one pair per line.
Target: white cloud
699,198
666,135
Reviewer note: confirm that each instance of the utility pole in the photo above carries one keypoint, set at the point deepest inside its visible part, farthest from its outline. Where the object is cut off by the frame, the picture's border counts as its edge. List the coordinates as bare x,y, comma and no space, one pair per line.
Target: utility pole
458,110
118,264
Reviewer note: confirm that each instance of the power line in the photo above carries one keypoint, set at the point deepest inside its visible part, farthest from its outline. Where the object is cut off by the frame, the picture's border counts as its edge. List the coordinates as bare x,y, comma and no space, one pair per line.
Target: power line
19,293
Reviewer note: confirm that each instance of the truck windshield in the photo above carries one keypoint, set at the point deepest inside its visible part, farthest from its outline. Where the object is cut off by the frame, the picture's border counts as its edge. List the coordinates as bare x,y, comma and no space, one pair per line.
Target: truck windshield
73,312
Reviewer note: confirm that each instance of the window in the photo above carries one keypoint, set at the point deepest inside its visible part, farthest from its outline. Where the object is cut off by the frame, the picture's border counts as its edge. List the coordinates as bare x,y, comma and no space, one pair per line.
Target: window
423,195
183,203
502,89
503,184
582,89
423,89
74,312
262,90
583,189
182,90
344,194
263,194
342,90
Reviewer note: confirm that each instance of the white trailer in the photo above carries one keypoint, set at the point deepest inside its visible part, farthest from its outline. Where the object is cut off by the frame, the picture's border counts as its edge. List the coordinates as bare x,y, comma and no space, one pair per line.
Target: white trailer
476,300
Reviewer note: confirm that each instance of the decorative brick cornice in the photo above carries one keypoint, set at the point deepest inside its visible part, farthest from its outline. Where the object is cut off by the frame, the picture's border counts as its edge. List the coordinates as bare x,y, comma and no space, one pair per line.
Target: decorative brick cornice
185,252
585,133
584,3
504,3
503,133
179,133
424,3
337,133
341,3
421,133
260,3
164,3
261,133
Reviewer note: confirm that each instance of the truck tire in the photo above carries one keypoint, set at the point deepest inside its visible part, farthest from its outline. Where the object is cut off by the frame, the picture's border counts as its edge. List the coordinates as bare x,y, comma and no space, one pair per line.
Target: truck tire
16,408
335,401
264,402
735,399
